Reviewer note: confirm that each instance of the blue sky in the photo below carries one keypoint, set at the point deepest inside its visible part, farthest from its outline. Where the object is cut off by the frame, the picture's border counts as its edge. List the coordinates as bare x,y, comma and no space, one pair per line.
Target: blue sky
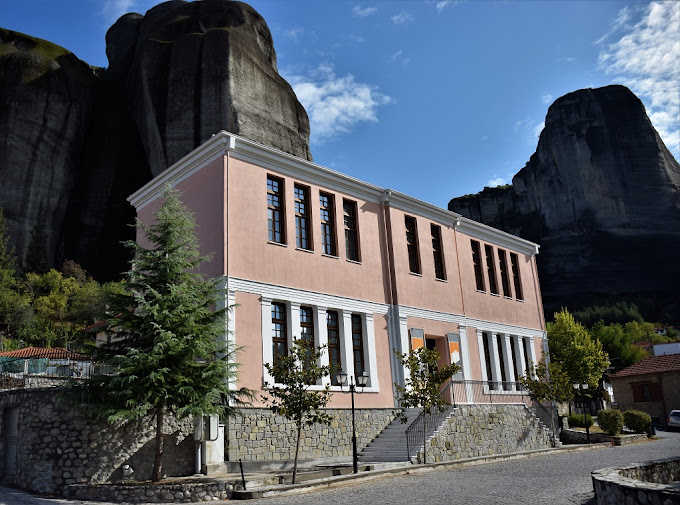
435,99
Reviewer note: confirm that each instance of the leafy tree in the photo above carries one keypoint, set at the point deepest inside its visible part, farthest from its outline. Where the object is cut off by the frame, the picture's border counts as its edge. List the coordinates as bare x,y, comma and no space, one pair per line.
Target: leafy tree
170,354
36,253
580,356
292,396
549,383
618,344
422,386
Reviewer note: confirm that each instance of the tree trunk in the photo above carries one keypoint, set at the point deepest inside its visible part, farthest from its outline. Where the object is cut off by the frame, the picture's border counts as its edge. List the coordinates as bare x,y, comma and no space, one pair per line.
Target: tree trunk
297,449
158,457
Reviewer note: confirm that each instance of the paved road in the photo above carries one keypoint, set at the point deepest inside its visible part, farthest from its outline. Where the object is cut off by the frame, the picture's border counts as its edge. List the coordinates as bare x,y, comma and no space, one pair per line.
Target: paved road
561,478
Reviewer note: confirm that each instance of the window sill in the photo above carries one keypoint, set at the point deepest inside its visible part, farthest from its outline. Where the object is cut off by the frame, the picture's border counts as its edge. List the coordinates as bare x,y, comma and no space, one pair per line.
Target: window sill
276,243
508,297
481,291
310,251
416,274
440,280
353,261
495,294
330,256
520,301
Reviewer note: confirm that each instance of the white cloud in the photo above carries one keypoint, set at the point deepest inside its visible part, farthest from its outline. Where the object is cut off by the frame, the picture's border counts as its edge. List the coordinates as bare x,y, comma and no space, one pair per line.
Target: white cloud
566,59
547,98
443,4
401,18
499,181
530,129
335,104
396,55
357,38
360,12
113,9
293,33
646,58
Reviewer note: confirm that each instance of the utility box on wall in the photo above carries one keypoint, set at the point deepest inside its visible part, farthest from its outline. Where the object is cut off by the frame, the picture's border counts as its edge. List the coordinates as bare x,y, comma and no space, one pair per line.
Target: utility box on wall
206,428
209,434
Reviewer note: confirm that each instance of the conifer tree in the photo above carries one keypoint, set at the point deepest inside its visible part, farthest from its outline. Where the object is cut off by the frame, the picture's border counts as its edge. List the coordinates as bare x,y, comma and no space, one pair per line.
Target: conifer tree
169,349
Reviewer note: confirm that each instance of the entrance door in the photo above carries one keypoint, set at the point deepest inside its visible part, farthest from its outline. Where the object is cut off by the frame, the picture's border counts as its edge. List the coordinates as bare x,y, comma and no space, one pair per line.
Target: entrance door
12,423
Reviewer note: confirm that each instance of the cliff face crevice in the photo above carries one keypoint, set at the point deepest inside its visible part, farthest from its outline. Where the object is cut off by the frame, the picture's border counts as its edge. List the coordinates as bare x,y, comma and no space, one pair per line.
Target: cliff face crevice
78,140
601,195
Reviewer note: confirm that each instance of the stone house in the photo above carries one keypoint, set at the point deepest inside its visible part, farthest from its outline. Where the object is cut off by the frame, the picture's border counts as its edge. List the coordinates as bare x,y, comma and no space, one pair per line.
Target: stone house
652,386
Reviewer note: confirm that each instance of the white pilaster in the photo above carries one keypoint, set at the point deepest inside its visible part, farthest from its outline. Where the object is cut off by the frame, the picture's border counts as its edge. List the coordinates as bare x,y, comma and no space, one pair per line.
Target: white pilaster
482,356
495,360
465,362
321,332
520,364
294,332
346,347
369,348
267,349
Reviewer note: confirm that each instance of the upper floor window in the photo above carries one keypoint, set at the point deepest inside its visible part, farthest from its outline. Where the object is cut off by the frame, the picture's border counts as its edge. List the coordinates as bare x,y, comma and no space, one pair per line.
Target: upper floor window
302,231
514,261
279,331
491,269
439,272
412,244
505,278
476,262
349,209
334,356
275,210
327,211
357,344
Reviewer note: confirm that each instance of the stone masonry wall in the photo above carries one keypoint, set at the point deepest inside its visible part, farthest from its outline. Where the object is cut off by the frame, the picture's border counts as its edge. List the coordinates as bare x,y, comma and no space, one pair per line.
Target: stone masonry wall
260,435
651,482
484,430
58,446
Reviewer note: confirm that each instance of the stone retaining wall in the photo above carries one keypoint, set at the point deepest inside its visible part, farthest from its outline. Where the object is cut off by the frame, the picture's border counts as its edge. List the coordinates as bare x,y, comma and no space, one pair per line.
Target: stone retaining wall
581,437
485,430
58,446
651,482
260,435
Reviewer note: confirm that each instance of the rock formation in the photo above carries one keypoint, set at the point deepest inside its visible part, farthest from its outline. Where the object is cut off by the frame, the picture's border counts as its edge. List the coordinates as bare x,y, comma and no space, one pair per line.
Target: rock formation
79,140
601,195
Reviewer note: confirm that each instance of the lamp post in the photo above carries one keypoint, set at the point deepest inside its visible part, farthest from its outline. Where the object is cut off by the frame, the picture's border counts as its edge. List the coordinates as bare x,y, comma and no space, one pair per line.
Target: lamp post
361,381
580,388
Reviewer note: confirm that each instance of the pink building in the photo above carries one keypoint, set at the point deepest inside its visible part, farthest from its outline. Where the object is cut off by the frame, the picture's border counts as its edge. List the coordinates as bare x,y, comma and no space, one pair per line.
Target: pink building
307,251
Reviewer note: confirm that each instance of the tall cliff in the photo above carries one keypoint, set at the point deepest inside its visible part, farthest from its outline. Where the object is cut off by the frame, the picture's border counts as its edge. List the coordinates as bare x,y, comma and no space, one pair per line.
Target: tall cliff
77,141
601,195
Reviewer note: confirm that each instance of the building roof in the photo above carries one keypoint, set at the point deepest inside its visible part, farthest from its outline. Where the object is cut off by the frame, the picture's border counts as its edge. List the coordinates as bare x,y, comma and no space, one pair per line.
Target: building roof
43,352
653,364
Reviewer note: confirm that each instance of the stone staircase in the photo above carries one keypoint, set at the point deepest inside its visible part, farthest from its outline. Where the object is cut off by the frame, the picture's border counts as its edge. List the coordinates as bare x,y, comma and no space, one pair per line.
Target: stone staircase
390,444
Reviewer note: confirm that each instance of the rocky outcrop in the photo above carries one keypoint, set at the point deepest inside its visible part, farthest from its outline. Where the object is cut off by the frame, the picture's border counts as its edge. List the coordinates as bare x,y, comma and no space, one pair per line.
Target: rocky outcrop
79,140
601,195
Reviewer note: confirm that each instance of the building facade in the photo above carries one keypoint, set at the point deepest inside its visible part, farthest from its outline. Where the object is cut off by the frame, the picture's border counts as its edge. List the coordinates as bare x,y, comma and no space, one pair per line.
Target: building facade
307,252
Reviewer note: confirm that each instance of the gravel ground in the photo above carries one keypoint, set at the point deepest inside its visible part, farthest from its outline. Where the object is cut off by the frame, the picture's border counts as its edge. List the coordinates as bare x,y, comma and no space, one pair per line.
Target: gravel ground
555,479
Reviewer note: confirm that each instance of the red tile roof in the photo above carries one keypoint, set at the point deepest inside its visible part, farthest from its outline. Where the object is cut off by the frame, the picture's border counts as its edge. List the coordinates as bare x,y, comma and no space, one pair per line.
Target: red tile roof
43,352
653,364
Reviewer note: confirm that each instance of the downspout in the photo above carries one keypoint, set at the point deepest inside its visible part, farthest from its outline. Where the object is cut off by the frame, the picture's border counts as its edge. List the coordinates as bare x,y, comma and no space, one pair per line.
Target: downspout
225,265
456,223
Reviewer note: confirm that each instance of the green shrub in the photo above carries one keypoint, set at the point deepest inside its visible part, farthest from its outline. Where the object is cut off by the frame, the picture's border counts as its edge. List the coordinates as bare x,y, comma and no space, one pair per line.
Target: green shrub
637,421
610,420
576,420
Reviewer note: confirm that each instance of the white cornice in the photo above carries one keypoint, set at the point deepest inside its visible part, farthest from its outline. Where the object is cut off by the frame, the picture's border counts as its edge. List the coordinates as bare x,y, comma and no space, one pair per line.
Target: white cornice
273,159
304,297
493,327
495,236
432,315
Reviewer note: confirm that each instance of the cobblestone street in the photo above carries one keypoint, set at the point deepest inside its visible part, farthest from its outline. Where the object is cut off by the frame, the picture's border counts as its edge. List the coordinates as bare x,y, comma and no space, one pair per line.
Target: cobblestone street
559,478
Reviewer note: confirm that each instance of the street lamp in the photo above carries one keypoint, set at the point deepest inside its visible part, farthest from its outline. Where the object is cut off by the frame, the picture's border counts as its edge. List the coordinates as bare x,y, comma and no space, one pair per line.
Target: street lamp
361,381
580,388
